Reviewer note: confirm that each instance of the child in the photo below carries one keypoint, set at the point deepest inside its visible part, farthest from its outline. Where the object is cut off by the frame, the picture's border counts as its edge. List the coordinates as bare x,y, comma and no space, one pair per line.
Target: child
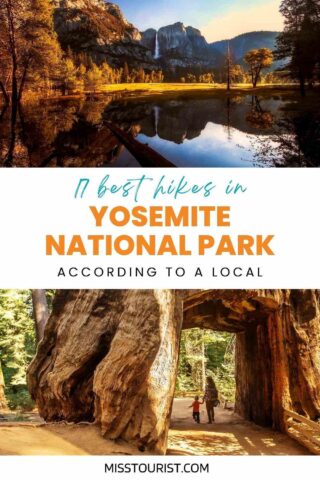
196,409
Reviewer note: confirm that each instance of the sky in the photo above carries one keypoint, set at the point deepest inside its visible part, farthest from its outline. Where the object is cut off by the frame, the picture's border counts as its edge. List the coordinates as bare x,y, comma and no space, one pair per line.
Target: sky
217,19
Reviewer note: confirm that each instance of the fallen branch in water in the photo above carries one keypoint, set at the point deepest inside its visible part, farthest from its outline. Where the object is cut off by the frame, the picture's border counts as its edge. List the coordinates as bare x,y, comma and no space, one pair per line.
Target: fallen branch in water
145,155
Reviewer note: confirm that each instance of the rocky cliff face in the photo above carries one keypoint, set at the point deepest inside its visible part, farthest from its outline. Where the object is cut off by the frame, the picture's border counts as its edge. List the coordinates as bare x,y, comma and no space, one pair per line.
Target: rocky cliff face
185,47
99,29
179,46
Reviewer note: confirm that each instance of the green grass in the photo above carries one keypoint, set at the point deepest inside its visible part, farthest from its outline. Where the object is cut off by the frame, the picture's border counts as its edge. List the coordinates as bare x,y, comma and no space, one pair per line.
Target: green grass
163,88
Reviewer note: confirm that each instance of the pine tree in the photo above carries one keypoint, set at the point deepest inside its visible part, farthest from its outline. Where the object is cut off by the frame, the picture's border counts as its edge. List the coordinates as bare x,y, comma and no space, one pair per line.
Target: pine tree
298,40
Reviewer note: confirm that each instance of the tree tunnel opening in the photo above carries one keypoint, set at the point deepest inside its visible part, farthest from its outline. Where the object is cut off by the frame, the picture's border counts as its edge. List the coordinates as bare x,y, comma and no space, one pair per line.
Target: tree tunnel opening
206,353
238,322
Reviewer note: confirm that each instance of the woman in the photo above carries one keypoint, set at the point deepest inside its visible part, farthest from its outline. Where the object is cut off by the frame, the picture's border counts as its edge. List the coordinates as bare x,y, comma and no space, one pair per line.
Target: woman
211,398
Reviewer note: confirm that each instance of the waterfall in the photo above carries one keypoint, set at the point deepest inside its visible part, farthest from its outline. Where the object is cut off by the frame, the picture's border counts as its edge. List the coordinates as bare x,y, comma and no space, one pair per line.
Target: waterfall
157,48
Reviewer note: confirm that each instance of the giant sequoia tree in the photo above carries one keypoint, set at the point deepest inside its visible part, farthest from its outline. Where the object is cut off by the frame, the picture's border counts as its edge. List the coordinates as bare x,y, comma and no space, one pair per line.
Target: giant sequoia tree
300,38
111,356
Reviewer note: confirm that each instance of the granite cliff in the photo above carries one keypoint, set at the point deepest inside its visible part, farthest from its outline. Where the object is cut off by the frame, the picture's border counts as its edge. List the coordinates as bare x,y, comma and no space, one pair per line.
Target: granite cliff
100,30
179,46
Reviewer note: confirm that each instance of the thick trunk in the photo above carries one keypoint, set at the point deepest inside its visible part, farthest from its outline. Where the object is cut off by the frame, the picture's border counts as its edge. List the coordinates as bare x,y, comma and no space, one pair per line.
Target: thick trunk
111,356
40,312
278,363
253,373
3,402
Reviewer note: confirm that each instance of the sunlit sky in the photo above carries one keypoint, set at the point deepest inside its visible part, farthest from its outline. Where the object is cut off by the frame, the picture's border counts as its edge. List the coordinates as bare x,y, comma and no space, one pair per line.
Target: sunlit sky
217,19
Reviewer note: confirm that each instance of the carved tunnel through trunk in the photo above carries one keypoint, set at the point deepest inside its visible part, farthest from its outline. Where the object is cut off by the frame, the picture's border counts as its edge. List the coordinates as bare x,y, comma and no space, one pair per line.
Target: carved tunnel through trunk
111,356
246,316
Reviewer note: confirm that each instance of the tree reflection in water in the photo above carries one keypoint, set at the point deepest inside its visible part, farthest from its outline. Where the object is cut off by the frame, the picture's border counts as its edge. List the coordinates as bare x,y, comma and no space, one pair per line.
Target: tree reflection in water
294,143
275,130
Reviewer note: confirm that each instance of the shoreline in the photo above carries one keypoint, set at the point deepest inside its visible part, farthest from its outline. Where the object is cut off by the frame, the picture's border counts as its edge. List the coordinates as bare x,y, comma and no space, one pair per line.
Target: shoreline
148,90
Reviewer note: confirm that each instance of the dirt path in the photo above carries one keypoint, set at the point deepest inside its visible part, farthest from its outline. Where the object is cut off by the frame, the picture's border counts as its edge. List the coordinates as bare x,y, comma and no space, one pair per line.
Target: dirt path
229,435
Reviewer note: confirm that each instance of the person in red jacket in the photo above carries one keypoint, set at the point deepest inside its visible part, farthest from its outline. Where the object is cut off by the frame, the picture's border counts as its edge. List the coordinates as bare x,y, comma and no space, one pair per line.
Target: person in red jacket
196,409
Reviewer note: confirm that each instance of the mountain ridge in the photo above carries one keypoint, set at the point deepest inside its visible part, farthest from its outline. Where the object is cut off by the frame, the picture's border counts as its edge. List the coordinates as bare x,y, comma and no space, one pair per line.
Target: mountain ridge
99,29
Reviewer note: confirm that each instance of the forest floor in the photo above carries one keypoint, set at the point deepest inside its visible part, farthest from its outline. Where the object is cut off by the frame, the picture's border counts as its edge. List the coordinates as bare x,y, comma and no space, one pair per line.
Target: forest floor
229,435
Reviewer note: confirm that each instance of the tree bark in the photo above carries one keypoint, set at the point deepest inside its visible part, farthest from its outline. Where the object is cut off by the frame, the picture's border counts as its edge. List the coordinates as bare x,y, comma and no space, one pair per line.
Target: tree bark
278,362
253,374
111,356
3,401
40,312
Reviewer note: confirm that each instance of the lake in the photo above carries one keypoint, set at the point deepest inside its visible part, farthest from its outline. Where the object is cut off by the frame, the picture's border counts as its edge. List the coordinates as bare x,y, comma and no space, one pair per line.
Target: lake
212,130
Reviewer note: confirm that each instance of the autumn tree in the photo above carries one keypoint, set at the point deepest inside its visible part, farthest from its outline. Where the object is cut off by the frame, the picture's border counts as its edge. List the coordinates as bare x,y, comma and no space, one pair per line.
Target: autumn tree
191,78
27,40
297,43
257,60
237,74
94,78
141,76
69,76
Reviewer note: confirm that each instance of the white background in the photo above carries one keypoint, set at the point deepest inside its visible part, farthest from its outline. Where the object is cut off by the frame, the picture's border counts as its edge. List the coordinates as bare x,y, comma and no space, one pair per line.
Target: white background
281,202
221,468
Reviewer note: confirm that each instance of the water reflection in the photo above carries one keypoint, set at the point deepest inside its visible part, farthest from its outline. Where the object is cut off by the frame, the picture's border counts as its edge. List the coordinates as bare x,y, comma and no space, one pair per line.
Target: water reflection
212,131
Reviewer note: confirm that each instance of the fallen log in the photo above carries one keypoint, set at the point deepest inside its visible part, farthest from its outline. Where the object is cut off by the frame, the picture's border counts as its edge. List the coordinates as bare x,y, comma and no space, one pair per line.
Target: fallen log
145,155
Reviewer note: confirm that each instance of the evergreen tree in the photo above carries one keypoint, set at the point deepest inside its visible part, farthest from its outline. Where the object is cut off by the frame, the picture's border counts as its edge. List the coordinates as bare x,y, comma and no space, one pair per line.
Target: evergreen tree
299,39
17,340
18,326
202,353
